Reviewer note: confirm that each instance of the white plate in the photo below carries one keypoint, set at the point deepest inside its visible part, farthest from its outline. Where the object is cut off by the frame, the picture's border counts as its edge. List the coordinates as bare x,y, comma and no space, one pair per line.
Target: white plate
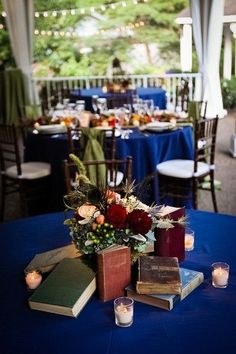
159,126
51,129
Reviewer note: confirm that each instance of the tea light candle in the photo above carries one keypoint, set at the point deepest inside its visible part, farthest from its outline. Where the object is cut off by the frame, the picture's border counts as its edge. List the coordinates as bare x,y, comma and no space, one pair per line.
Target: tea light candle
220,276
123,308
124,315
33,279
189,240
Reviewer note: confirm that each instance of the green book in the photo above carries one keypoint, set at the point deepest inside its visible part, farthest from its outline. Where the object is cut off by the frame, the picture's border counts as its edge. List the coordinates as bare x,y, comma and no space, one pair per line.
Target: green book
66,290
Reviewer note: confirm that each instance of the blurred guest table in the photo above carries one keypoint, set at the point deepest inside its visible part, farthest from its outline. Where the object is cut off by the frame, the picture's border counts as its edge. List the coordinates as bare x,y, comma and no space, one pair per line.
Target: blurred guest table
146,148
204,322
158,95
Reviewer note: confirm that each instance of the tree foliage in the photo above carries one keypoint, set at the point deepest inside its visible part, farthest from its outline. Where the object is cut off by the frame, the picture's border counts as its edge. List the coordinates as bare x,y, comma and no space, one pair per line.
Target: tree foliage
62,56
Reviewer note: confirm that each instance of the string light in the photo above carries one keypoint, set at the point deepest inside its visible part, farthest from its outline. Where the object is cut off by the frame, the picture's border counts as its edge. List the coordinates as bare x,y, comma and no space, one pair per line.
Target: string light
82,11
74,34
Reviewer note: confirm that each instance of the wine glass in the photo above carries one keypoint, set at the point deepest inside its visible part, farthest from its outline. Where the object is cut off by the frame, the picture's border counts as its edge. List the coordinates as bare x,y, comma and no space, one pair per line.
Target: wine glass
102,104
95,103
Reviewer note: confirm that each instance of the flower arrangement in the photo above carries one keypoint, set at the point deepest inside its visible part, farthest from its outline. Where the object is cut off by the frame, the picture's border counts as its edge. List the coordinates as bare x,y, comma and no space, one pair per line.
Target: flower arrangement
101,218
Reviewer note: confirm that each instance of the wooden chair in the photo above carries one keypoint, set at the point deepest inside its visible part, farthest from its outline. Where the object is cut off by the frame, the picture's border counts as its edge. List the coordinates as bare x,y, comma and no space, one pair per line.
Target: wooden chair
197,110
112,173
76,145
16,176
180,179
182,95
118,100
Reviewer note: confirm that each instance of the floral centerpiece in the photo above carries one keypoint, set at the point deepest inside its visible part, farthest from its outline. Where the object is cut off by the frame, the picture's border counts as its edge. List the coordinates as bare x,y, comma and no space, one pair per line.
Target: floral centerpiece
102,217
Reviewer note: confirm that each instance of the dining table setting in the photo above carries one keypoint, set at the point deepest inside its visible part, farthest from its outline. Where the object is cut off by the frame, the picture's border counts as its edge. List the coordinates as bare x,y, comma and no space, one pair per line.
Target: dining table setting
149,137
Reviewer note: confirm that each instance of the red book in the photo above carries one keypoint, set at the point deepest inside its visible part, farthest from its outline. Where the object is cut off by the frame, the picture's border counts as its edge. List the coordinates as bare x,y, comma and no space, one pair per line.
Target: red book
114,272
170,242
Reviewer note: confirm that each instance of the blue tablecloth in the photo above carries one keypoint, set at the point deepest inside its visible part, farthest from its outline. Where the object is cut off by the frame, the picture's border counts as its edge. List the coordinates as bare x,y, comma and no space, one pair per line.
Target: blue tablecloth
146,149
203,323
157,94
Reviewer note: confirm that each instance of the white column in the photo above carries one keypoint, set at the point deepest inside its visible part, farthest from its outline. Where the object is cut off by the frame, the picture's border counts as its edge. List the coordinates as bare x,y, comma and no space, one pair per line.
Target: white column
186,48
227,70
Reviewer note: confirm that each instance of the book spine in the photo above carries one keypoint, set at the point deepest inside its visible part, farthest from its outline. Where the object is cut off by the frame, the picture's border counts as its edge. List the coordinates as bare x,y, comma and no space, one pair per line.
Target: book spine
101,277
195,282
164,304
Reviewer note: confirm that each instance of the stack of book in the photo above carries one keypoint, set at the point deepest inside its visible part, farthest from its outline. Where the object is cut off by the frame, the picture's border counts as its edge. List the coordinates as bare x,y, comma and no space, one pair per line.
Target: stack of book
162,283
71,282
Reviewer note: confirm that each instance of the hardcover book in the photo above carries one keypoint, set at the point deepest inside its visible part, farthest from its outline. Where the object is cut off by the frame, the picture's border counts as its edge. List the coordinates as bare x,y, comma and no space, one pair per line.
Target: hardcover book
114,272
170,242
46,261
158,275
66,290
190,279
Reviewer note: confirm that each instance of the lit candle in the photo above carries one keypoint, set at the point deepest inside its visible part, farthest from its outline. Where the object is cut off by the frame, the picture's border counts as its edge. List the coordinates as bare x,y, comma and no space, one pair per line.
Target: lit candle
220,274
124,315
220,277
189,240
33,279
123,311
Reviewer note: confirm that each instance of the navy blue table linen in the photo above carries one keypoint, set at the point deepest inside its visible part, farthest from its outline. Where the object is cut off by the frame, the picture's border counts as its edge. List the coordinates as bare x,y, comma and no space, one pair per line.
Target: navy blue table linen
157,94
203,323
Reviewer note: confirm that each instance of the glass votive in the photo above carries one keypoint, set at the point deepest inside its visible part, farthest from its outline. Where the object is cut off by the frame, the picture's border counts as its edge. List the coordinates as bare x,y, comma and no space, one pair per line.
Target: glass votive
189,240
124,310
33,279
220,274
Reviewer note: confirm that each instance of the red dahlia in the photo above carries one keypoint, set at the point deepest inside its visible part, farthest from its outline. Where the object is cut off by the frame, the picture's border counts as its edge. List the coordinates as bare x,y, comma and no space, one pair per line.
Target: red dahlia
139,221
116,216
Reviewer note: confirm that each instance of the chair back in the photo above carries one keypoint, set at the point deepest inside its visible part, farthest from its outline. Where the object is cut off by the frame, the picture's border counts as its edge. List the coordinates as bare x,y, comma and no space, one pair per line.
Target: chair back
197,110
112,170
77,142
9,148
182,95
118,100
205,141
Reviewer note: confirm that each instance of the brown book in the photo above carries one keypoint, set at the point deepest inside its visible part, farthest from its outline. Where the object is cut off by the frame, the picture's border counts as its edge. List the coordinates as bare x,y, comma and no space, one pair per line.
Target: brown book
114,272
158,275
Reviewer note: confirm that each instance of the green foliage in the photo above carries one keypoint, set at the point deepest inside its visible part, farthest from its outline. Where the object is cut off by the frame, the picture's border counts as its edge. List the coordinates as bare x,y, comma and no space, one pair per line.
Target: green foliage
229,92
63,55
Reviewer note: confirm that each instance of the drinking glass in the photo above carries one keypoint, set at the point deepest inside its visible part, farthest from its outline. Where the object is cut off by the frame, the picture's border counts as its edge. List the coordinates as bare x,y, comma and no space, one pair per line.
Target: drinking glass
94,103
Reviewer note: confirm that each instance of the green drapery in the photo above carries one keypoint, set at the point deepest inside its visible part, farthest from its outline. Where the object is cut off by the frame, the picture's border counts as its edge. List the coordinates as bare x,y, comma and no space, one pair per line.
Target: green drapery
13,98
94,151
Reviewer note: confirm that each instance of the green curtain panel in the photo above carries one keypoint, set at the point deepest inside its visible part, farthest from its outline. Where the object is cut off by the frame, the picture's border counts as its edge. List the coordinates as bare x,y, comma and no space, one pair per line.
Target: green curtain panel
13,98
94,151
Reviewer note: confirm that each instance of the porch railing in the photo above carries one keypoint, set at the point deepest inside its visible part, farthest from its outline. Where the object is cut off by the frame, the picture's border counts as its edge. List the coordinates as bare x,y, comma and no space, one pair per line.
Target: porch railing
54,89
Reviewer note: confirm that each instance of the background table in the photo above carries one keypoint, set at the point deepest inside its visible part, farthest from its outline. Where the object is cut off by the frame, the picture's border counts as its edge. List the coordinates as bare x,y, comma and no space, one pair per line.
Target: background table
204,322
146,149
157,94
